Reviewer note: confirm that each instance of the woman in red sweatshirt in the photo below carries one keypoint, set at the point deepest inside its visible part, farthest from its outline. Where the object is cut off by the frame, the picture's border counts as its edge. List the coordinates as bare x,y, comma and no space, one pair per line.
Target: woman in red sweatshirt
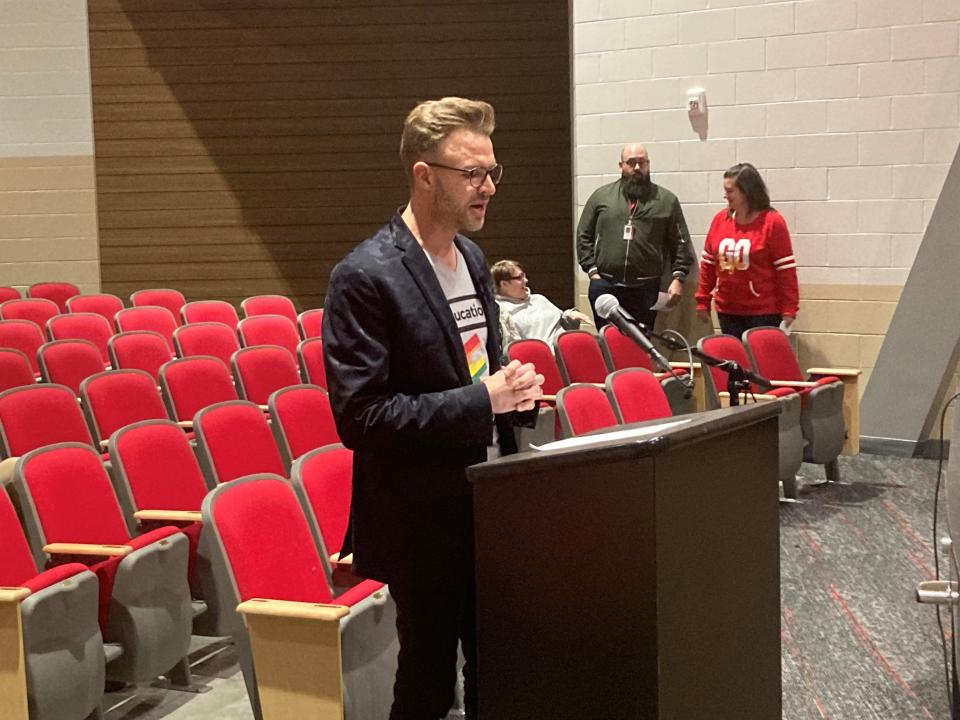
747,263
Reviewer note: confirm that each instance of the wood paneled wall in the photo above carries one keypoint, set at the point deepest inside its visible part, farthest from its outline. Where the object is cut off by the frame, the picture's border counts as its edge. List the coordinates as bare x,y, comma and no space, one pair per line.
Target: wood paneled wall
244,146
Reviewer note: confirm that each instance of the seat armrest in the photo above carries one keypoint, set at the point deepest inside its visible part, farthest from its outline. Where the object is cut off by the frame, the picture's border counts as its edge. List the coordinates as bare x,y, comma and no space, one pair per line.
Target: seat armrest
685,365
793,383
6,470
291,609
168,515
839,372
548,399
13,594
337,560
186,424
745,397
87,549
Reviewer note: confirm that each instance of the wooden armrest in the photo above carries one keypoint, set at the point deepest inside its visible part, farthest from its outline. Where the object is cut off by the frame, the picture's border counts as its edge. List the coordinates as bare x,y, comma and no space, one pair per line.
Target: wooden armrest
87,549
346,560
104,444
793,383
265,408
685,365
186,424
547,398
13,594
290,609
6,470
745,395
839,372
168,515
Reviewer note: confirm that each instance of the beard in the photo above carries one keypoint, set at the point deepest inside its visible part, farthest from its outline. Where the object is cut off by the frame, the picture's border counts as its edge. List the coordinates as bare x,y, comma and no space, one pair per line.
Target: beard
637,185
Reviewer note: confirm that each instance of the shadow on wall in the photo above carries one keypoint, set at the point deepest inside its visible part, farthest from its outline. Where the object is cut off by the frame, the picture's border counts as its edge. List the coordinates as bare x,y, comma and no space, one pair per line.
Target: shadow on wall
258,145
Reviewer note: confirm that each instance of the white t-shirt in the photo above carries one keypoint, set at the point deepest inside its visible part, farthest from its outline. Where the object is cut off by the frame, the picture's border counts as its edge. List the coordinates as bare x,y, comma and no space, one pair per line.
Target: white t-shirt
471,321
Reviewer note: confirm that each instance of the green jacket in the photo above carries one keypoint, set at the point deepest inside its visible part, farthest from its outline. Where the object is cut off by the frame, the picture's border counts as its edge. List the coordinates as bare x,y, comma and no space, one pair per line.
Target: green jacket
659,232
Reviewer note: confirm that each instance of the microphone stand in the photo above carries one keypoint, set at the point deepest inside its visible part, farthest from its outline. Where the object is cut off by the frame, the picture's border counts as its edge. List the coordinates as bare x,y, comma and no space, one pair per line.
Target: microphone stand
738,377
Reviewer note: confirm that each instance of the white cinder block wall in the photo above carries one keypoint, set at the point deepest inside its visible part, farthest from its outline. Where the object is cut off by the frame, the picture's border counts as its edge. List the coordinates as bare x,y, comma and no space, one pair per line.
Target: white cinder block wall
849,108
48,223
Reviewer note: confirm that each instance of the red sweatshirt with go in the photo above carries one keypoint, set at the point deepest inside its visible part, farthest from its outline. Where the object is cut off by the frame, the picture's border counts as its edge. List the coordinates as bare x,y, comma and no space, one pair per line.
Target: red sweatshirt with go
752,267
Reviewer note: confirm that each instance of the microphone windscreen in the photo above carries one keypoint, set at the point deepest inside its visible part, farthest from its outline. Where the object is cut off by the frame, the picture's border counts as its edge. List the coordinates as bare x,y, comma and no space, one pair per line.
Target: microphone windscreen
605,305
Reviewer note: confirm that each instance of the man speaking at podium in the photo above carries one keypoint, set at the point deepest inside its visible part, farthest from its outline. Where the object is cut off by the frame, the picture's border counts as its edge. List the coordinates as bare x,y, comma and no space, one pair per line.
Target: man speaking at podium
411,344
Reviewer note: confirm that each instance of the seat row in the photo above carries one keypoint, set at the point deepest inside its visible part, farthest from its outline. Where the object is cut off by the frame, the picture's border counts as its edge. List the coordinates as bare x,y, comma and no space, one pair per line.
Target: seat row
127,602
67,297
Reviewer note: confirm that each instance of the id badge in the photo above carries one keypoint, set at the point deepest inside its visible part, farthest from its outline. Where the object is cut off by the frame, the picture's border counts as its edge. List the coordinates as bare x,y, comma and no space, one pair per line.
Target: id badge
628,231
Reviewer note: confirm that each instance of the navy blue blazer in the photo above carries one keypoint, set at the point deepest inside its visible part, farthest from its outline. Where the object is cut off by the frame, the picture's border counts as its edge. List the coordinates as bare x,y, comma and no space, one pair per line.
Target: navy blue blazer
402,396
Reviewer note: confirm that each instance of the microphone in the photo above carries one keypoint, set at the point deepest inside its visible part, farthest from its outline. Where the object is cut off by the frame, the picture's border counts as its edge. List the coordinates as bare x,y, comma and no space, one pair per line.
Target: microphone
608,307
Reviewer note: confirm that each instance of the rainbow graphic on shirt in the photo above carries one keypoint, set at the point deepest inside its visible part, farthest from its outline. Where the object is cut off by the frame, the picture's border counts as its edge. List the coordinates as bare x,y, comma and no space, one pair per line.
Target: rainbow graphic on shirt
476,358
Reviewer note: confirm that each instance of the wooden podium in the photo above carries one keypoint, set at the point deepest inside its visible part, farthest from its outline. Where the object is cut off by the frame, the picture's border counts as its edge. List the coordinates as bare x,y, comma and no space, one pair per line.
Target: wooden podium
634,579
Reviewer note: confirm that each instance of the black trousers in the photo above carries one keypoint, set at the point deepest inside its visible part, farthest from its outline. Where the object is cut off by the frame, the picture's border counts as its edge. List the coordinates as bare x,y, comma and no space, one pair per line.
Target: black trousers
737,325
436,612
636,299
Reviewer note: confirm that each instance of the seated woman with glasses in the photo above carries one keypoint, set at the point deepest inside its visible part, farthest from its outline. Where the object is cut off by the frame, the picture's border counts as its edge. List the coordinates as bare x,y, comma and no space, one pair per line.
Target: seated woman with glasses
524,315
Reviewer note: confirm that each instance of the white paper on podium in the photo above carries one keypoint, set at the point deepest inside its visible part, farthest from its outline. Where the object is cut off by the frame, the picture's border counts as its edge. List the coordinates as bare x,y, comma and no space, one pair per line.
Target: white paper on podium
589,440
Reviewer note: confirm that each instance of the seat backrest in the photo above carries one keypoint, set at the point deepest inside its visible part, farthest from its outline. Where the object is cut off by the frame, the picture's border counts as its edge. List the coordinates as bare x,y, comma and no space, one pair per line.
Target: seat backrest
148,317
15,370
100,303
155,467
16,562
206,338
583,408
66,496
540,354
82,326
325,476
172,300
725,347
312,368
269,305
263,533
233,440
117,398
25,336
139,350
39,415
301,420
622,351
192,383
261,370
269,330
580,357
69,362
201,311
58,292
771,354
8,293
36,310
309,322
636,395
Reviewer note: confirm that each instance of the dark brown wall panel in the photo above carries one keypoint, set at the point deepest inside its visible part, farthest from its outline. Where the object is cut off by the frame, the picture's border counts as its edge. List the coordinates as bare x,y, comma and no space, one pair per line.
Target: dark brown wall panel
244,146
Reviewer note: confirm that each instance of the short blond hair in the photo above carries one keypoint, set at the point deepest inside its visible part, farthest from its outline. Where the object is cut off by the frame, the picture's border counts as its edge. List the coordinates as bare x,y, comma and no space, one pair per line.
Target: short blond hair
432,121
503,271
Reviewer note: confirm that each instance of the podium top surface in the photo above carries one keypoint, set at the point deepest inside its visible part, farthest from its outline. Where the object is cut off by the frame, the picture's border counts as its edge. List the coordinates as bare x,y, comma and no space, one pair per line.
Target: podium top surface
695,427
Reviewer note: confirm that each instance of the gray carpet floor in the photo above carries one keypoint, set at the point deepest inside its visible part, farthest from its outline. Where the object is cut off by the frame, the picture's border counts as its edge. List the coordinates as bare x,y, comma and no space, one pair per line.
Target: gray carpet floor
855,644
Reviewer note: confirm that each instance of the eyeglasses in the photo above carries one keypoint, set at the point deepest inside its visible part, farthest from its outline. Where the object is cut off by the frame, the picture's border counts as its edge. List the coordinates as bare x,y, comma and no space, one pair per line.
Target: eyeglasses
635,162
477,175
521,276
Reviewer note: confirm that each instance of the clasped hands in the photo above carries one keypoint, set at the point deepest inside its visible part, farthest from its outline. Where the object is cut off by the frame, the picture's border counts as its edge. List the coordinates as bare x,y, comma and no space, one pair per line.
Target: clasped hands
514,387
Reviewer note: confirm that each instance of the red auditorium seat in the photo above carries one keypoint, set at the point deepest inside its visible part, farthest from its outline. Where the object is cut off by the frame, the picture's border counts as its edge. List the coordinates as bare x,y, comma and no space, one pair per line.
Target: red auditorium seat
203,311
269,305
635,394
192,383
100,303
83,326
310,356
58,292
269,330
139,350
35,416
584,407
277,573
261,370
148,317
233,440
172,300
36,310
580,357
69,362
15,370
309,322
25,336
71,511
301,420
206,338
116,398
